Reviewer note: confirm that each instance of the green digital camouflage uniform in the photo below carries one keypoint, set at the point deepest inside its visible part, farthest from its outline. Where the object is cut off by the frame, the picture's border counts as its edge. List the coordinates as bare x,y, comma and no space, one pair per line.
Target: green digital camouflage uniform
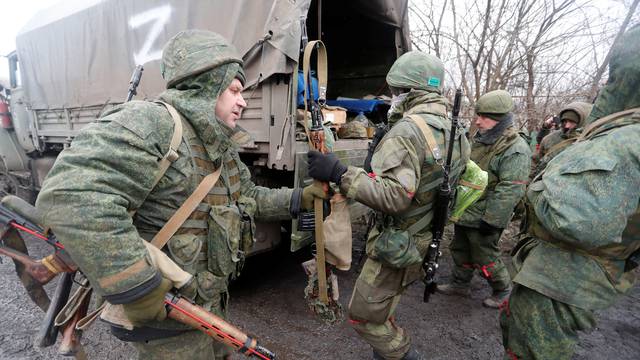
401,188
108,172
551,145
506,156
583,224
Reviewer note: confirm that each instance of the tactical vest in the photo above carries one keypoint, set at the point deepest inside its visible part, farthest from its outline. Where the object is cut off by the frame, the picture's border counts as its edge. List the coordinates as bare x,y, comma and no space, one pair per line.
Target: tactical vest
483,154
417,219
208,244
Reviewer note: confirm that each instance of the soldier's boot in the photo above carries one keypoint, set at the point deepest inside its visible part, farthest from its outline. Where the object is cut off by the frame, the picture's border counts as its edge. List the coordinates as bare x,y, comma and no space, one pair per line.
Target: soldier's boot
454,288
497,298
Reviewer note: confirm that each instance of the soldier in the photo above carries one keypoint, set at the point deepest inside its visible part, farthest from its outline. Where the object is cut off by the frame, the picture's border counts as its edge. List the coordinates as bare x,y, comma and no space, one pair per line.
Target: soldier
583,223
572,118
401,188
498,149
107,174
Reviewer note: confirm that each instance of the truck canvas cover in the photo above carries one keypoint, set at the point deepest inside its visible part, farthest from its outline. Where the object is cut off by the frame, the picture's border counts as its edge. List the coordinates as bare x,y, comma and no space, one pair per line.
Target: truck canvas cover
82,52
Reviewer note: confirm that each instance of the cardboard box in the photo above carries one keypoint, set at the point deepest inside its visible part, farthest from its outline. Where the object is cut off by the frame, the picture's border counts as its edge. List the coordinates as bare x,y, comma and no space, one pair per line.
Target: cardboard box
332,114
335,115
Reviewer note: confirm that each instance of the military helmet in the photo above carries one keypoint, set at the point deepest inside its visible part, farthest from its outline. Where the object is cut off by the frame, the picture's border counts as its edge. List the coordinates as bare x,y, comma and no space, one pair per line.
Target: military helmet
417,70
494,104
193,52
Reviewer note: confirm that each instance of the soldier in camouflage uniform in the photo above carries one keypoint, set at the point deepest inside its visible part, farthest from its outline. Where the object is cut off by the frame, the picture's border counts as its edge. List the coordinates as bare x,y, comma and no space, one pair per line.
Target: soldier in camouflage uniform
100,201
505,155
401,188
583,224
572,118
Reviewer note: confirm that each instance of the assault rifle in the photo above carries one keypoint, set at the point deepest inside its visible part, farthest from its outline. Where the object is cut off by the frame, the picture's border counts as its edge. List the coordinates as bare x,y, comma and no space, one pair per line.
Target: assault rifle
441,211
134,82
178,308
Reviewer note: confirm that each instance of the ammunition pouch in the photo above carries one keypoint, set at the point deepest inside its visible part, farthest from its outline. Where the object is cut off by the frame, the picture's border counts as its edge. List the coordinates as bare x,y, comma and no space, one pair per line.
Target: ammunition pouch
393,247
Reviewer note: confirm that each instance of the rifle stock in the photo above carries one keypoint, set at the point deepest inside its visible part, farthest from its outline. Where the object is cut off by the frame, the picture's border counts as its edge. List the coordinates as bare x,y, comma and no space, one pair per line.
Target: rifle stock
35,268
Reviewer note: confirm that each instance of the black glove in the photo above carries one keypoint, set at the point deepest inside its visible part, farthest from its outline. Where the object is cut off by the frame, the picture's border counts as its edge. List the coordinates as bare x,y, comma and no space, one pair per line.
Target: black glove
325,167
488,229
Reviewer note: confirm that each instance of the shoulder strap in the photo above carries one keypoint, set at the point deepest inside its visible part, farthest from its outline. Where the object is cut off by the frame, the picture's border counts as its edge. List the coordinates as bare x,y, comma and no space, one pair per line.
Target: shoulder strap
172,154
192,202
432,144
589,129
181,215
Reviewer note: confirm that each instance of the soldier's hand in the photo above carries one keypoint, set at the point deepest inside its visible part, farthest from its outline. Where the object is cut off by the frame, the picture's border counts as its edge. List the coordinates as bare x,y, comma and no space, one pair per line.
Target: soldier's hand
309,194
149,307
325,167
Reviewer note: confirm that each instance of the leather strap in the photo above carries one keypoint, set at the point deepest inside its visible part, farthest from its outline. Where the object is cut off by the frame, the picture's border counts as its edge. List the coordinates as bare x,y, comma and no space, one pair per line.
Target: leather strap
322,76
318,203
181,215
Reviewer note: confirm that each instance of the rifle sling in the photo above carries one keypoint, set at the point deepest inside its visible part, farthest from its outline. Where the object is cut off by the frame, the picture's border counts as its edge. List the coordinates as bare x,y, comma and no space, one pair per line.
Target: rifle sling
318,203
322,77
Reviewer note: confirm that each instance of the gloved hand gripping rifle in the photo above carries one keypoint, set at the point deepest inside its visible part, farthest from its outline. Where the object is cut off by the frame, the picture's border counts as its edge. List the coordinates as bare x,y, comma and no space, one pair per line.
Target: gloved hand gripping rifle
441,211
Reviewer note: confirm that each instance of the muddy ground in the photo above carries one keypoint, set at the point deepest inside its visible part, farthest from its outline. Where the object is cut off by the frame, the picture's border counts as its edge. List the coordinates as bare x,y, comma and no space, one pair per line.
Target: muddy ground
268,302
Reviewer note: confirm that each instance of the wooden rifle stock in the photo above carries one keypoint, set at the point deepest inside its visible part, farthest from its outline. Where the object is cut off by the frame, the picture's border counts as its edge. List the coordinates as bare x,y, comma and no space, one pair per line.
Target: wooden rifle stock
185,312
35,268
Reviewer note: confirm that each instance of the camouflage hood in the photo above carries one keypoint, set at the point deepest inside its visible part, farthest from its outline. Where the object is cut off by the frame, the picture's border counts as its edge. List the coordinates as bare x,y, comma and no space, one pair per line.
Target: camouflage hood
621,92
198,66
196,97
581,108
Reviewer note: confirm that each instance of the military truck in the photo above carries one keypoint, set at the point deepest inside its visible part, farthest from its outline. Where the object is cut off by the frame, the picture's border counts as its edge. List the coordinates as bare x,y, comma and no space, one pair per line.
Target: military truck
74,61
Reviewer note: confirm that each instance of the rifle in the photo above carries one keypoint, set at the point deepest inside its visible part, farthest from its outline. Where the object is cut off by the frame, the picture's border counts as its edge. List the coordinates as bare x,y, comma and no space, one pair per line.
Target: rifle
186,312
134,82
441,211
178,308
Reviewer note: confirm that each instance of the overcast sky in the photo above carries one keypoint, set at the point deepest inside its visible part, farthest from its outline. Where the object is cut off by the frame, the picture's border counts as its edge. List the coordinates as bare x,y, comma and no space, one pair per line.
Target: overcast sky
14,17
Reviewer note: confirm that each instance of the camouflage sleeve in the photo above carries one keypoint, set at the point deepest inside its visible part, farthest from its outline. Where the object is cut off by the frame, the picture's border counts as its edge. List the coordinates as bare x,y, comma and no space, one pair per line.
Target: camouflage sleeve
272,204
394,180
513,175
107,171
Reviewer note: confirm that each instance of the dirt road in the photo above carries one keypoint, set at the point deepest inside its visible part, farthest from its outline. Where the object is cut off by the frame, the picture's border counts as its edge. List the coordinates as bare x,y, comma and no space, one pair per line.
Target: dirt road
268,302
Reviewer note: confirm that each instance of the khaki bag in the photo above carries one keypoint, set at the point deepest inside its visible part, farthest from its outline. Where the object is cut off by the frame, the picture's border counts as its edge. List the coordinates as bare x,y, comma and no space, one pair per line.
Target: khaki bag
337,233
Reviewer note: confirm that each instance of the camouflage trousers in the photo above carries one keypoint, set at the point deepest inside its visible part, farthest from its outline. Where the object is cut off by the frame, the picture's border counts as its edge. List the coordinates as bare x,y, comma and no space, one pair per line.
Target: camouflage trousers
374,300
473,251
536,327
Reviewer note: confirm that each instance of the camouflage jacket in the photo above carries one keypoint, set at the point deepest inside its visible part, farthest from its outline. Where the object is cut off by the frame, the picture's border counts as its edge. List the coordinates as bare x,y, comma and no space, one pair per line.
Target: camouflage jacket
108,171
405,178
583,219
549,141
508,162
